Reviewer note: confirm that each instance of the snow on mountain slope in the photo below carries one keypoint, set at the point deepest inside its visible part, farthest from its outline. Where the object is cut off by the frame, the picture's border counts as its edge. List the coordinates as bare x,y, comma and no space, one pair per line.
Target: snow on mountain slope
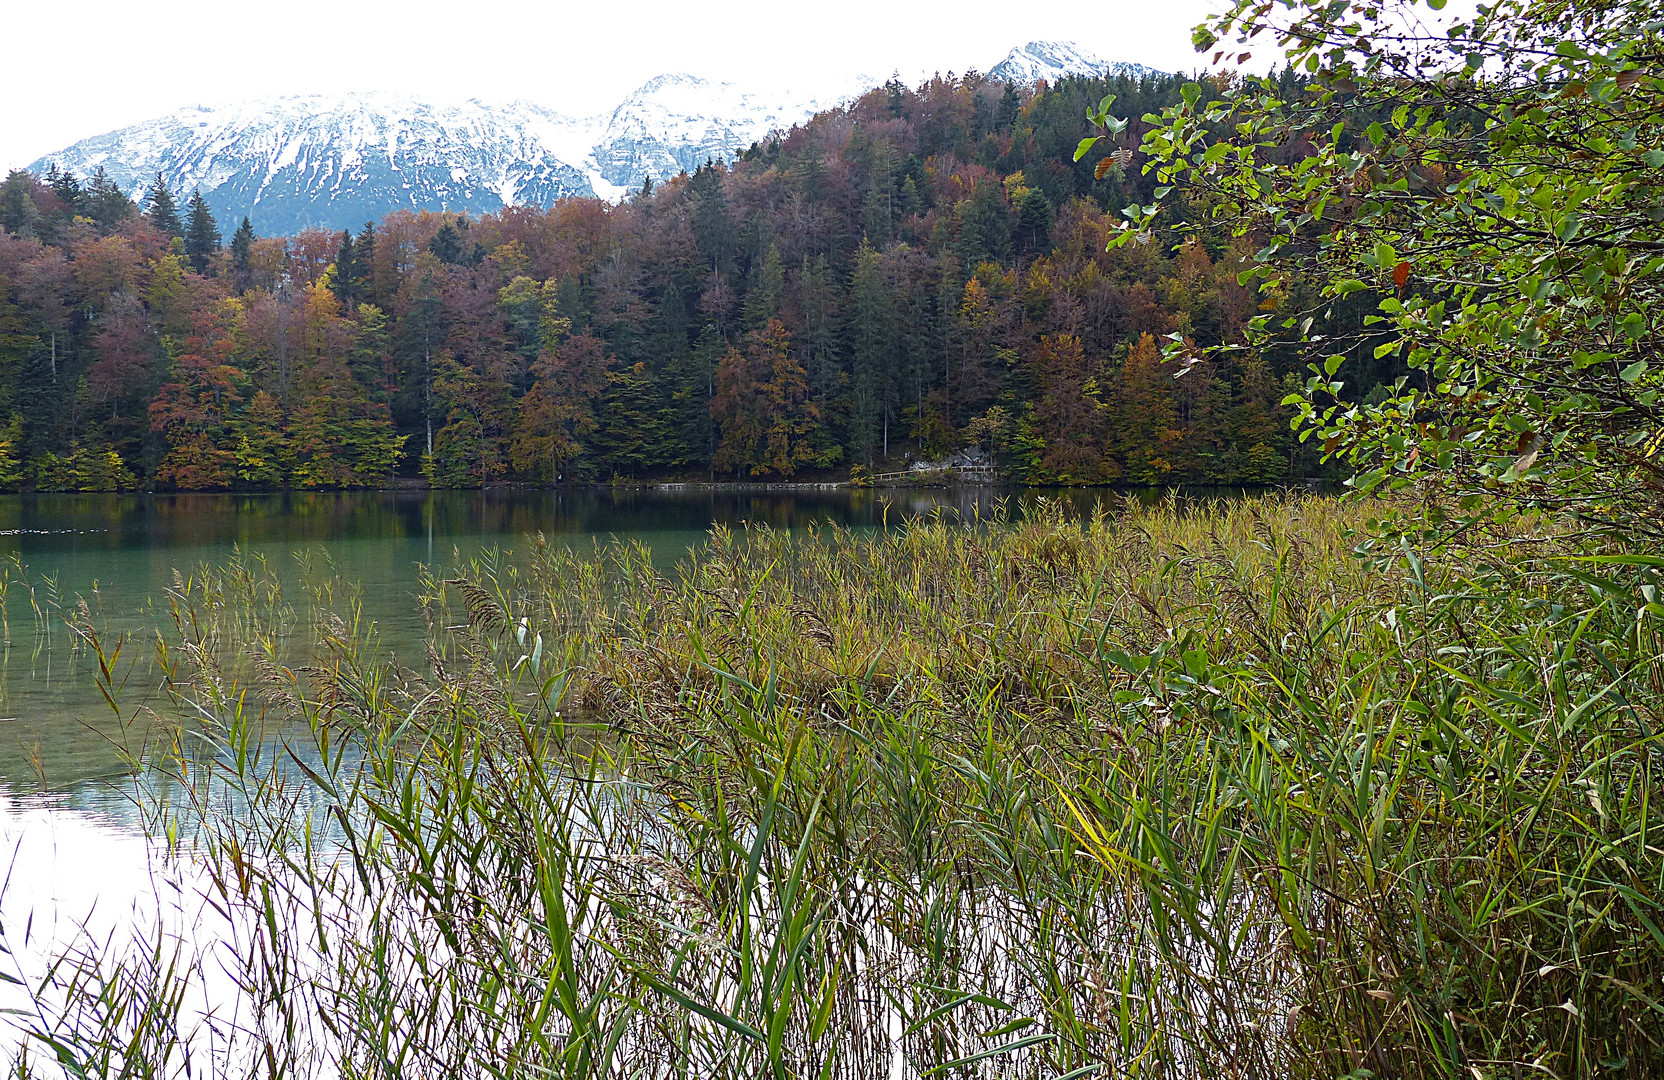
677,122
337,162
1052,60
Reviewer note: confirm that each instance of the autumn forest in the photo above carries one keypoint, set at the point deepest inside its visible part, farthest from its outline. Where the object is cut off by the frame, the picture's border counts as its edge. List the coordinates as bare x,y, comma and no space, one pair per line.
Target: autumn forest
921,273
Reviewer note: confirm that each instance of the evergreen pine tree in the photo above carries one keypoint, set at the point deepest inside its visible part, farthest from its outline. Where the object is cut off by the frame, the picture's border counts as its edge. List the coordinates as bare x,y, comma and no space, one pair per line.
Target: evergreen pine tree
895,95
67,189
202,233
242,245
105,202
712,230
569,301
18,213
160,209
346,272
871,335
1005,117
364,259
446,245
768,285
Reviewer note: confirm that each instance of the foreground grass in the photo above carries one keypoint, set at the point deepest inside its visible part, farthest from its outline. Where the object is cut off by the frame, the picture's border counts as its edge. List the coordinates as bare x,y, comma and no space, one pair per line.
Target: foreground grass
1156,794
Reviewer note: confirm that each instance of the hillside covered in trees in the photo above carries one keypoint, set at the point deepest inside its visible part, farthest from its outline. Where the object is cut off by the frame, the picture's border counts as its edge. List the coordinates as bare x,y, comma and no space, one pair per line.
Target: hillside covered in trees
918,273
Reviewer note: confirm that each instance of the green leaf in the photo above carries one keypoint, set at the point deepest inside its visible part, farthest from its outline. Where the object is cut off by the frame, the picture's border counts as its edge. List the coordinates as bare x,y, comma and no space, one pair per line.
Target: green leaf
1005,1048
1332,365
738,1027
1634,371
1655,158
1634,325
1085,145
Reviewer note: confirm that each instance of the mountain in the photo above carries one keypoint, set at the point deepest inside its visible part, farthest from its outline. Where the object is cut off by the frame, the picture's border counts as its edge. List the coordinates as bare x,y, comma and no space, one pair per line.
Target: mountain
1052,60
676,122
338,161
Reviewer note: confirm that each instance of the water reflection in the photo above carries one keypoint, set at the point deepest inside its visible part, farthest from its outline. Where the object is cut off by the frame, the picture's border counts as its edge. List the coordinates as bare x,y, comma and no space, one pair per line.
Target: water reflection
74,809
118,554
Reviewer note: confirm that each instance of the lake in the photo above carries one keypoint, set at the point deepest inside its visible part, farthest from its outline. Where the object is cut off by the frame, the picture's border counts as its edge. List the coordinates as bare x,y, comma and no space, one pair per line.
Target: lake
80,864
119,554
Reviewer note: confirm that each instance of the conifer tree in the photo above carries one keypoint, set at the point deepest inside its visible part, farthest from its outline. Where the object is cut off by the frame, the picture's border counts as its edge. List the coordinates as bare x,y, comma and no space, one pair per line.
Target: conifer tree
242,245
712,229
68,190
1010,106
202,233
364,260
160,209
870,338
105,202
768,285
446,245
346,272
18,213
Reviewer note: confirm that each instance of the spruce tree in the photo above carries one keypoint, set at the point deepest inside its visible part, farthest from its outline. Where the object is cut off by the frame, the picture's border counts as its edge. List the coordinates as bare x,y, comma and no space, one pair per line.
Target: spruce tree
68,190
105,202
242,245
18,213
202,233
446,245
1005,118
768,286
895,95
346,272
364,260
160,209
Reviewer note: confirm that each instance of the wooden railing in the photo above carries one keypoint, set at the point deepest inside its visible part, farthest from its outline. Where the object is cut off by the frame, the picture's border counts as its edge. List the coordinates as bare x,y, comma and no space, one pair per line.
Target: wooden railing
964,474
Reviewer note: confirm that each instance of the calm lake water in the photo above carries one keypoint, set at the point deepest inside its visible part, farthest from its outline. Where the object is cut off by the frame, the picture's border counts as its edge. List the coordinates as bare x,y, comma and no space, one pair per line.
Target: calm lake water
119,554
78,866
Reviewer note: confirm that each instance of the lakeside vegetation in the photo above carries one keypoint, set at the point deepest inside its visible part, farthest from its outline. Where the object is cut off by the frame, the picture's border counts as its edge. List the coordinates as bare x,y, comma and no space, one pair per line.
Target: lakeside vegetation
1319,787
1152,793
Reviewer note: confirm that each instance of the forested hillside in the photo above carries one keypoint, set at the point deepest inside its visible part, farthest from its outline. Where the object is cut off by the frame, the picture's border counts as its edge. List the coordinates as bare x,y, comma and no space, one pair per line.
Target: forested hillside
921,272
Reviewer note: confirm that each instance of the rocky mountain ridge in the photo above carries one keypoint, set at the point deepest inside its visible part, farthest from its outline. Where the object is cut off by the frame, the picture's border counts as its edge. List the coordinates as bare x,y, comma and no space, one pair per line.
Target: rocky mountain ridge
338,161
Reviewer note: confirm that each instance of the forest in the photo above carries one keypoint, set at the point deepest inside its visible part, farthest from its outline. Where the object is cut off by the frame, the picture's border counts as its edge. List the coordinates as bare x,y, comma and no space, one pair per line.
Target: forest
919,273
1290,785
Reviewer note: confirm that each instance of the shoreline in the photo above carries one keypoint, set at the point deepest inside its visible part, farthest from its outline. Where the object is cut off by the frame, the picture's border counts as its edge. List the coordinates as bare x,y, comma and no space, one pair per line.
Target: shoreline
773,486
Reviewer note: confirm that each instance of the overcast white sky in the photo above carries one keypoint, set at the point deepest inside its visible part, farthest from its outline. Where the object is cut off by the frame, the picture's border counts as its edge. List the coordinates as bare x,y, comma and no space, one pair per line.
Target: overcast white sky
64,77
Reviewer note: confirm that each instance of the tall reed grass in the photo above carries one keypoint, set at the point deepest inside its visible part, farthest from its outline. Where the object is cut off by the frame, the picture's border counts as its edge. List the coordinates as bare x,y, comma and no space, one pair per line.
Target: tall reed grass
1227,792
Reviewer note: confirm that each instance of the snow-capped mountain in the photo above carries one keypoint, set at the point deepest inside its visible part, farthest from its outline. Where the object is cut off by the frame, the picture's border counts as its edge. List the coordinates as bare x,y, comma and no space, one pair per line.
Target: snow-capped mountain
1052,60
338,161
676,122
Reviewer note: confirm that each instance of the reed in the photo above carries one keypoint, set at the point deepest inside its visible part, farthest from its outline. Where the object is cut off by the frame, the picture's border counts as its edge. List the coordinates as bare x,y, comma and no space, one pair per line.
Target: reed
1231,791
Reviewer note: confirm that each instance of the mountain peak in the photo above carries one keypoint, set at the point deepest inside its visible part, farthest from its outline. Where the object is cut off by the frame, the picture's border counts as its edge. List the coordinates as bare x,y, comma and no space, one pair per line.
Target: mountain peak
671,80
336,160
1053,60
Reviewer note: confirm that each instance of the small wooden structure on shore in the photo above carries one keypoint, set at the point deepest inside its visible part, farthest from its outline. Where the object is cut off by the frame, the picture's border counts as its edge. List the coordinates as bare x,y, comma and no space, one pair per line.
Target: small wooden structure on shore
979,473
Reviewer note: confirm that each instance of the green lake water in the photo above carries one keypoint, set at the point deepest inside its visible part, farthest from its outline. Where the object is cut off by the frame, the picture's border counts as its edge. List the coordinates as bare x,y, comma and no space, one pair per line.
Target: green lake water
120,553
